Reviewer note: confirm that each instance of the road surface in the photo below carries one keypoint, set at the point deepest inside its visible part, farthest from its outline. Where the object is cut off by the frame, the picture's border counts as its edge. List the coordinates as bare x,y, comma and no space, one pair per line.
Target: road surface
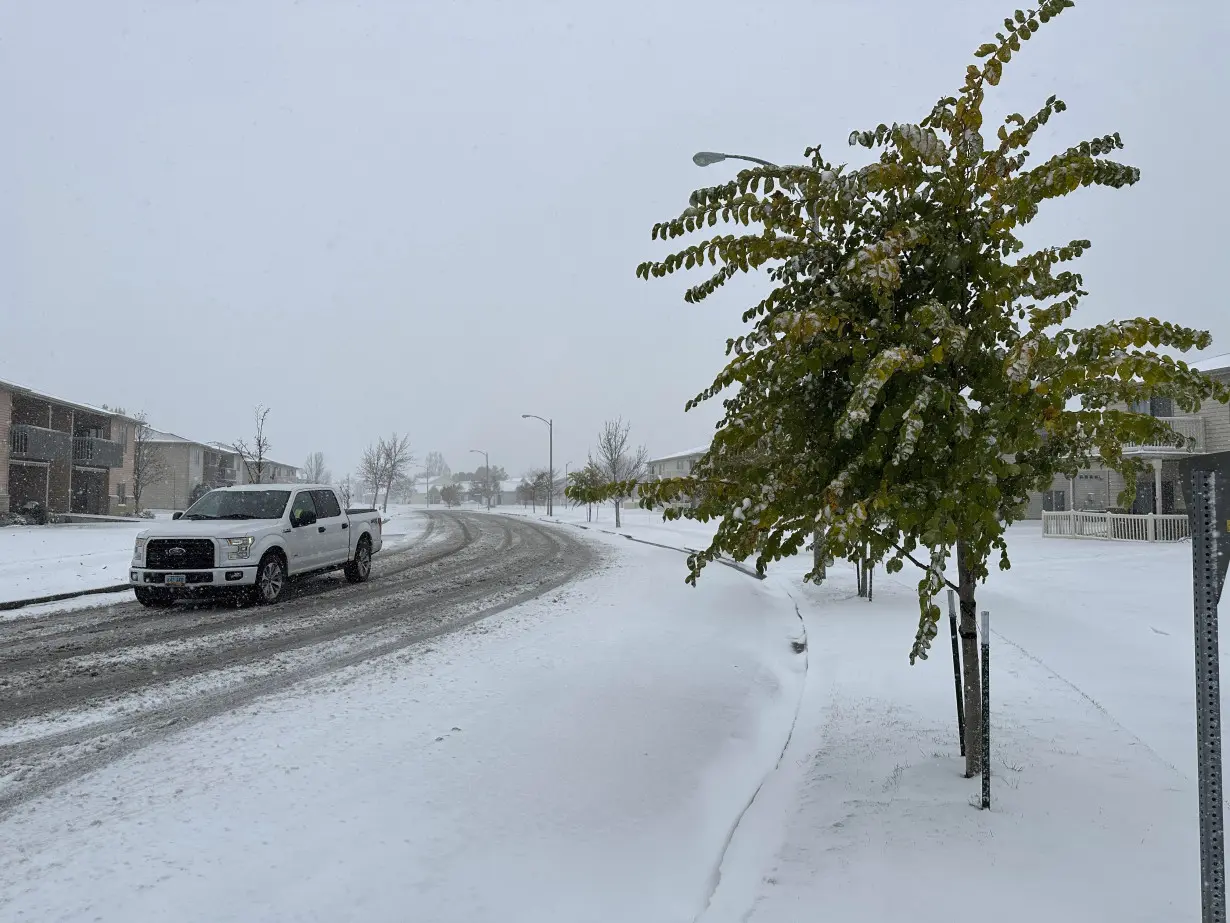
81,688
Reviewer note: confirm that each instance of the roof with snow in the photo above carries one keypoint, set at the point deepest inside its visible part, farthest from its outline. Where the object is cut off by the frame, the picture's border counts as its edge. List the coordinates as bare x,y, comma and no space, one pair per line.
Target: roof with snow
699,450
76,405
1212,364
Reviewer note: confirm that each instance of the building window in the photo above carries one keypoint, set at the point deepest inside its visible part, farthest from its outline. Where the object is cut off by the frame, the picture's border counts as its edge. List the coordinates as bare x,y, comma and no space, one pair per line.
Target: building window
121,491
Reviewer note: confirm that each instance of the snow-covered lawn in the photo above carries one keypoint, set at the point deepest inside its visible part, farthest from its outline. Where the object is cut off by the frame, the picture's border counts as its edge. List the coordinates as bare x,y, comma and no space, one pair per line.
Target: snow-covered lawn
44,560
611,753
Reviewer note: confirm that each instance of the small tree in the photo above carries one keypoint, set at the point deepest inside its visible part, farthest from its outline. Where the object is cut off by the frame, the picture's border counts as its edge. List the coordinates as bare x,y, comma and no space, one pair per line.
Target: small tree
371,471
345,487
315,471
433,467
255,455
450,494
149,464
485,485
619,465
395,461
586,487
911,378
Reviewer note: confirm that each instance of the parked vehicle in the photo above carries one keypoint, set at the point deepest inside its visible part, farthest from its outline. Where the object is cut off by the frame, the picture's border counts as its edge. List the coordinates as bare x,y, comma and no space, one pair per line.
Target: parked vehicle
252,540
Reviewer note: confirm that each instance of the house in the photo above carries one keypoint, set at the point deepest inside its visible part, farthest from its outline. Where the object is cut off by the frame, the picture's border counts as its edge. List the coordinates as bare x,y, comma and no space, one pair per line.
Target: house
676,465
191,464
1097,488
67,456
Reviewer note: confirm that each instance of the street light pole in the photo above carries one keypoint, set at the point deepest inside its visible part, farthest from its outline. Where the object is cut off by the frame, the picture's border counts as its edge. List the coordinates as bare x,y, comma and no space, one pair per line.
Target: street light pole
550,458
487,477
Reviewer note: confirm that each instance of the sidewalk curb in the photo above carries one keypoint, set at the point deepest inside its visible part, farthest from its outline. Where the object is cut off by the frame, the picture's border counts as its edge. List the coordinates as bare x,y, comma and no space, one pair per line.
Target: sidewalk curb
734,565
59,597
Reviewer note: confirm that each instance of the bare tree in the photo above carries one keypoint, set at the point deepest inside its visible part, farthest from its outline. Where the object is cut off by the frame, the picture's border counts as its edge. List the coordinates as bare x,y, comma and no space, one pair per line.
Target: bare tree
149,464
345,487
255,456
371,471
395,459
617,462
315,470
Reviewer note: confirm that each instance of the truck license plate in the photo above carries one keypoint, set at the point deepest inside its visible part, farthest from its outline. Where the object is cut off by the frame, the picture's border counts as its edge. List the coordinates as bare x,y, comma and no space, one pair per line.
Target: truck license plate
175,579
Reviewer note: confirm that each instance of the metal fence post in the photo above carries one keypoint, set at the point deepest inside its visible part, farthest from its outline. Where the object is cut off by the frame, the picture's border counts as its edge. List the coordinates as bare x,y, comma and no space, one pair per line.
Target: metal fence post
1205,574
956,668
986,710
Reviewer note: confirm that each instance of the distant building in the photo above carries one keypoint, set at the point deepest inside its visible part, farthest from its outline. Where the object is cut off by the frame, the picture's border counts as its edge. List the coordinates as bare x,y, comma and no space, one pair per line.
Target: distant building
191,464
68,457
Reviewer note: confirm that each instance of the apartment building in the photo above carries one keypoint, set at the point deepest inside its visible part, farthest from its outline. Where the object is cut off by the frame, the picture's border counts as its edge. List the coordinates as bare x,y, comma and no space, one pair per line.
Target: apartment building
68,457
189,464
1097,488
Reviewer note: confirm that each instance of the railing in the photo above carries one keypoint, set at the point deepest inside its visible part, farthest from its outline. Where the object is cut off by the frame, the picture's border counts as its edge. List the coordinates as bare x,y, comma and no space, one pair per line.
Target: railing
1190,428
37,443
100,453
1119,527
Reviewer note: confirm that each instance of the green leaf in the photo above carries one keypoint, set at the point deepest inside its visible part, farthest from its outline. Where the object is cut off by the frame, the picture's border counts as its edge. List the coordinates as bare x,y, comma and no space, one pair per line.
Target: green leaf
992,71
984,50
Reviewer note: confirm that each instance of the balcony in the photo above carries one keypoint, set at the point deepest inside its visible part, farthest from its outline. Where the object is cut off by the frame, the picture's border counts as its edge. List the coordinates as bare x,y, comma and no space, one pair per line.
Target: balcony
1190,428
97,453
37,443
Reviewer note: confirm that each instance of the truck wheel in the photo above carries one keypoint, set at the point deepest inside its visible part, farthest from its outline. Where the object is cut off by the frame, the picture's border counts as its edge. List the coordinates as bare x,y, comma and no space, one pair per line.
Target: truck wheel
154,599
270,580
358,570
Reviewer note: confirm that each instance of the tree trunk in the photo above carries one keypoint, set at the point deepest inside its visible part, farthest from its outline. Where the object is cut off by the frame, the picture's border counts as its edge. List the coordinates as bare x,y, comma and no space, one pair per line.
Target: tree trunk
968,630
817,555
617,514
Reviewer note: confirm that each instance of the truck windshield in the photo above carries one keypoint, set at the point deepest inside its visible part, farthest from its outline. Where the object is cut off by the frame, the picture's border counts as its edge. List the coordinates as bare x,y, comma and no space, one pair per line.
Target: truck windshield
240,504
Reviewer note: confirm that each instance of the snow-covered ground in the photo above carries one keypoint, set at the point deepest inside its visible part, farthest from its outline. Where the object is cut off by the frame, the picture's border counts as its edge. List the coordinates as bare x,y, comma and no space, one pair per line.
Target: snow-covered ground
582,757
44,560
614,752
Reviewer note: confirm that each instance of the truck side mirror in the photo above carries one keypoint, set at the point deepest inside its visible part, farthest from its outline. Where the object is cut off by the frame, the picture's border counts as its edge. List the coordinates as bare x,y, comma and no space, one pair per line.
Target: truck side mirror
176,515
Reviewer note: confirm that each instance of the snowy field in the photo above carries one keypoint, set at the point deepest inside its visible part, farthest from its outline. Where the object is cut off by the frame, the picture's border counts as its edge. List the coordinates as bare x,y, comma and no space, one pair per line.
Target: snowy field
629,748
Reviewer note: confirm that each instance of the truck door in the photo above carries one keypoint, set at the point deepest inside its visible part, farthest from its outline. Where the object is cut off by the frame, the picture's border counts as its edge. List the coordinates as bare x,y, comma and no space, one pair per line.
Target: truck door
304,541
333,529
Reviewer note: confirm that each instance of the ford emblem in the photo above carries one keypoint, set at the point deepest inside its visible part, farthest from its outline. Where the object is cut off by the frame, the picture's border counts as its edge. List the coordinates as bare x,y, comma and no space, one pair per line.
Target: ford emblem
176,552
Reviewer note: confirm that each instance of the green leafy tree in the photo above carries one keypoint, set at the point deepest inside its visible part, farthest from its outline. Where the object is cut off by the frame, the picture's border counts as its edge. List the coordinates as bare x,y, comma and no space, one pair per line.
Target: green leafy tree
586,487
912,374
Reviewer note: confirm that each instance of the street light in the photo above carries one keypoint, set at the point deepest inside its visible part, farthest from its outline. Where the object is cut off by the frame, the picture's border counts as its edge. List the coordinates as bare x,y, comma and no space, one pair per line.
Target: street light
707,158
487,478
550,458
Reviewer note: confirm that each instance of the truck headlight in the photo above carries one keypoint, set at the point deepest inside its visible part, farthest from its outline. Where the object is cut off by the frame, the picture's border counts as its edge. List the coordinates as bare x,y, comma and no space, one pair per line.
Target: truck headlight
138,551
237,549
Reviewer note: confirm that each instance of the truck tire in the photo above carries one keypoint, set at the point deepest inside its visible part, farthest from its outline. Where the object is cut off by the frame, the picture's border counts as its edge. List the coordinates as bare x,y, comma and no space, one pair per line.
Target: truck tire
154,599
358,570
270,580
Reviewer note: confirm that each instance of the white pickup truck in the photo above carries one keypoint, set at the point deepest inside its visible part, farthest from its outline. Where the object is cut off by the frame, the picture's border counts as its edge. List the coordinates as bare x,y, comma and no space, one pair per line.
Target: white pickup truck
252,540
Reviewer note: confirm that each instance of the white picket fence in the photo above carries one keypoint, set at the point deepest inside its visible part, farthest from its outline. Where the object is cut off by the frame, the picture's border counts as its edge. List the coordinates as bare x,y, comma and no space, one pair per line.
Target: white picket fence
1119,527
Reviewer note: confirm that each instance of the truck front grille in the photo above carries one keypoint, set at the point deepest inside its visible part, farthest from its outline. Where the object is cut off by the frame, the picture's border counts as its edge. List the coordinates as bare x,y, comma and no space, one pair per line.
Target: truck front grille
179,554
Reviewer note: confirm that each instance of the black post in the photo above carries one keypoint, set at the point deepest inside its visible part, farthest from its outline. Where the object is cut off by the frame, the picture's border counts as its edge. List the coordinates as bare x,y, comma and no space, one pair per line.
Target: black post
1206,591
986,710
956,668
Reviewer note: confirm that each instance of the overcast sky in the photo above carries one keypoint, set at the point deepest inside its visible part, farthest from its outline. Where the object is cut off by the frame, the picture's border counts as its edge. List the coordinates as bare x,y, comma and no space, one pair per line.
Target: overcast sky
426,216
